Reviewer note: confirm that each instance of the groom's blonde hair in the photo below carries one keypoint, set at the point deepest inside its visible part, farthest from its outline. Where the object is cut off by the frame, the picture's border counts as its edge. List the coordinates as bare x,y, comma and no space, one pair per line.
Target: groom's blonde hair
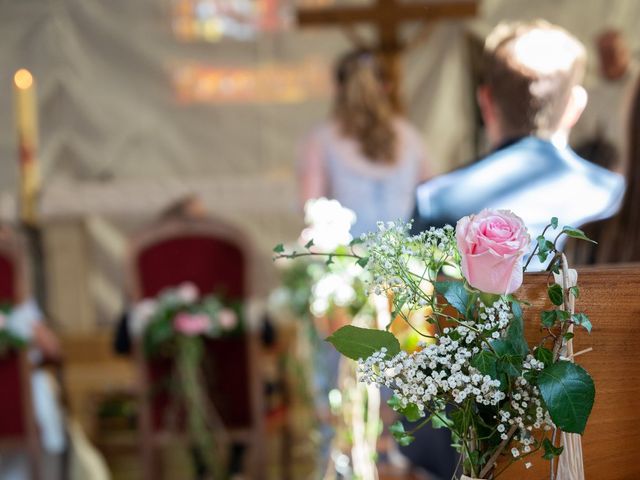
531,69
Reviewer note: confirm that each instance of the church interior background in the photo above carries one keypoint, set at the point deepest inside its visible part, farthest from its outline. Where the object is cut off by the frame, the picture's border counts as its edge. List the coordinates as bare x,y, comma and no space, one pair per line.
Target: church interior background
142,102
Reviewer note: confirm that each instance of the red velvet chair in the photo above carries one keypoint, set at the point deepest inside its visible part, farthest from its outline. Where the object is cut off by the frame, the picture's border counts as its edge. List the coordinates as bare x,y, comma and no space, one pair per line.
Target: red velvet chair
18,430
213,256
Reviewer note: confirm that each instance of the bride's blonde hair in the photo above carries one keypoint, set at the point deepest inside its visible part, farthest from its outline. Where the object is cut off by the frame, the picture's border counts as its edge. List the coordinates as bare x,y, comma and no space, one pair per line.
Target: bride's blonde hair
363,108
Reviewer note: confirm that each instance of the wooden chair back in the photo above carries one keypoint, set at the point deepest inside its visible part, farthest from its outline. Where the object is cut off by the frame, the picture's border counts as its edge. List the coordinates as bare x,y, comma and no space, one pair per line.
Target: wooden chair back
216,258
611,442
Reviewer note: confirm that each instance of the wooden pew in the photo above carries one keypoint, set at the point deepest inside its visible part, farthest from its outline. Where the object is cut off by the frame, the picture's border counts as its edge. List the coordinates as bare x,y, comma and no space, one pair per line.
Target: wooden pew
611,297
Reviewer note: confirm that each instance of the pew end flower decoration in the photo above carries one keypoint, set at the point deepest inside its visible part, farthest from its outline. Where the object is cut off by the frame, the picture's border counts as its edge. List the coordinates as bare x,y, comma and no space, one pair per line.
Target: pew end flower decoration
177,325
474,372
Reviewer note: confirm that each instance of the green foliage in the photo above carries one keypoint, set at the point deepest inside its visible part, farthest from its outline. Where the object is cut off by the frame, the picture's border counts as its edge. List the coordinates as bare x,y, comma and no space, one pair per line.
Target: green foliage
545,247
309,244
550,451
455,293
575,291
556,294
568,392
279,248
544,355
486,362
550,317
576,233
399,433
363,261
582,320
359,343
554,222
411,412
515,332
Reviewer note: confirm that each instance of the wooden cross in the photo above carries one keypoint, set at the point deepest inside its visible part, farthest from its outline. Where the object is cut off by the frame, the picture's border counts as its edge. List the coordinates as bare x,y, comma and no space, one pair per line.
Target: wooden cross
387,16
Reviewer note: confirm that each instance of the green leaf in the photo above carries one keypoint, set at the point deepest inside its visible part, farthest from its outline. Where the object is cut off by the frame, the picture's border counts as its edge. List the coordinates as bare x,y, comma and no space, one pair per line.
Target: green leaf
568,336
544,248
363,261
441,420
582,320
549,450
568,392
329,260
555,294
455,293
515,332
550,317
576,233
554,222
575,291
411,411
360,343
485,362
544,355
278,248
509,362
309,244
398,432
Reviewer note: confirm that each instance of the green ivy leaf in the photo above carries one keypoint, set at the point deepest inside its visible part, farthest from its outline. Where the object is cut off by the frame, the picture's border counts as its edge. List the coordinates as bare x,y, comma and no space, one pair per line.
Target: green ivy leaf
568,392
363,261
575,291
356,343
398,432
554,222
329,260
555,294
549,450
485,362
441,421
278,248
582,320
544,355
568,336
577,233
455,293
550,317
411,411
515,332
309,244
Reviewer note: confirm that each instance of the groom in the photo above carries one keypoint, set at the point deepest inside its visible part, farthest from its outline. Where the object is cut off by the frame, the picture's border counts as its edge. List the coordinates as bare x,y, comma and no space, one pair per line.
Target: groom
530,100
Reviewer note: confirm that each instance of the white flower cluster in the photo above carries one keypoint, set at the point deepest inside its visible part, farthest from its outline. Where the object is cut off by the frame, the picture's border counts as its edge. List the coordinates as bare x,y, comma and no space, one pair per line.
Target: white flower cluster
328,223
401,264
525,410
441,371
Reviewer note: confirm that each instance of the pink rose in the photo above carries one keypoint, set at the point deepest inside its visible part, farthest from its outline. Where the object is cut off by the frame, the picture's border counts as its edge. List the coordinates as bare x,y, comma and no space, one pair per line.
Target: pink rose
227,318
191,324
492,244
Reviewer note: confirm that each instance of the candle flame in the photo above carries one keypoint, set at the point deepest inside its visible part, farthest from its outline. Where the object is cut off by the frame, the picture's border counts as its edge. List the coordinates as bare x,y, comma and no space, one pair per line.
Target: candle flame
23,79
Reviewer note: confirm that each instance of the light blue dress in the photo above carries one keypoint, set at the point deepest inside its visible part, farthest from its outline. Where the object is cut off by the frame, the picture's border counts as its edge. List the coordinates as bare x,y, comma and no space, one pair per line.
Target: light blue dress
375,192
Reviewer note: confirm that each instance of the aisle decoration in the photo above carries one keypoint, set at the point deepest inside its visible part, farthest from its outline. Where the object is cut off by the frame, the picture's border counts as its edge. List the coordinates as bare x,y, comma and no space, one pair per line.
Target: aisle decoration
325,294
476,374
175,325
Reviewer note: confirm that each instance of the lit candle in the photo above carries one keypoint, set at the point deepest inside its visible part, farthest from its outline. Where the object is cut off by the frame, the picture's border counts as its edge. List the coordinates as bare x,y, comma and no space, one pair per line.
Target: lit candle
27,125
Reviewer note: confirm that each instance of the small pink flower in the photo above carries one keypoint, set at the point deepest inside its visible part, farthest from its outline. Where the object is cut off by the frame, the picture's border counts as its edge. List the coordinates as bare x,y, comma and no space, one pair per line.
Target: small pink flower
492,244
188,292
191,324
228,319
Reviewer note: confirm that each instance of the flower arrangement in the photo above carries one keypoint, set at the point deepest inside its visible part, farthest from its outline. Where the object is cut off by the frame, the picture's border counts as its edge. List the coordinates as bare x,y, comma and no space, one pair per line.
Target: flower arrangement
175,325
476,375
9,341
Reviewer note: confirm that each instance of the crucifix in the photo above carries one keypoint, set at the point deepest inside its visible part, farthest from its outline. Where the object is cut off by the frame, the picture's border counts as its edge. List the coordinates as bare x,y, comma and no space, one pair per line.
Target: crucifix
387,17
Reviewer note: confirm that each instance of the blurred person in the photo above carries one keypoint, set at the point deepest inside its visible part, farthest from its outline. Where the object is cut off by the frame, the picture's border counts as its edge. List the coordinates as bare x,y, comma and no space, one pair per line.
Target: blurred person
26,321
600,133
531,98
366,155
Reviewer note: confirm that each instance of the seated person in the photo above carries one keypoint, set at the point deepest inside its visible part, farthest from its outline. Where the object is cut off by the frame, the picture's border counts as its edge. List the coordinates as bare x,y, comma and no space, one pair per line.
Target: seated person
28,322
530,100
